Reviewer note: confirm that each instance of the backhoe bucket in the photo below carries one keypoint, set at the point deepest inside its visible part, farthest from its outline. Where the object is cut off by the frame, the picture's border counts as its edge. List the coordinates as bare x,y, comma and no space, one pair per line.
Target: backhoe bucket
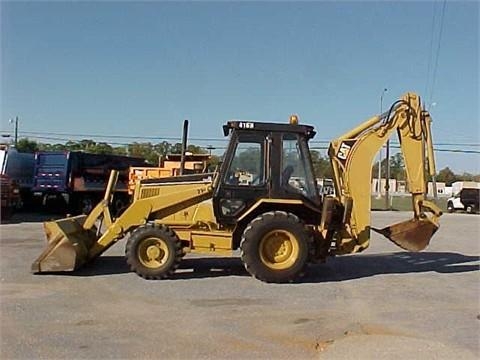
68,245
411,235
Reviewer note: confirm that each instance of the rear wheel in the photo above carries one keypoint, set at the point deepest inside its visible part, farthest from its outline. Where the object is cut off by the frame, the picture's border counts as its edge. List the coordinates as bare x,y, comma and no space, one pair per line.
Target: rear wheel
275,247
153,251
450,207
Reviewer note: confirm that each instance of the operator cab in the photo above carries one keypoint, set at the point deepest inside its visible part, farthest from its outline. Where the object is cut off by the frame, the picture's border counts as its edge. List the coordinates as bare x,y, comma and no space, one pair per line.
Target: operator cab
264,161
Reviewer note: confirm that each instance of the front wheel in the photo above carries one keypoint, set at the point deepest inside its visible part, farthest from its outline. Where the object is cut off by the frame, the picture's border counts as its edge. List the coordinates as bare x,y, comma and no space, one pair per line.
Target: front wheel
275,247
153,251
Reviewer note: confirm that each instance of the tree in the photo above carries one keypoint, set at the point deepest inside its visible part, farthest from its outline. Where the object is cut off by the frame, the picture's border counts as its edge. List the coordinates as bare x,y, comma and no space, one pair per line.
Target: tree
447,176
321,165
26,145
194,149
162,148
54,147
143,150
397,167
467,177
102,148
213,163
383,166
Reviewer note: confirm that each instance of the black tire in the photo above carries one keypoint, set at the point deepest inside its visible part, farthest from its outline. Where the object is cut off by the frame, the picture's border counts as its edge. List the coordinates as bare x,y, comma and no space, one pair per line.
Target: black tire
87,204
6,213
275,247
450,208
470,209
118,206
81,204
153,251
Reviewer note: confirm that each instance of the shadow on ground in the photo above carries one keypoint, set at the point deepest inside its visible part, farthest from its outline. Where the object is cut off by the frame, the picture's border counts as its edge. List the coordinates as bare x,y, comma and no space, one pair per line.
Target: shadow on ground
33,217
336,269
361,266
189,267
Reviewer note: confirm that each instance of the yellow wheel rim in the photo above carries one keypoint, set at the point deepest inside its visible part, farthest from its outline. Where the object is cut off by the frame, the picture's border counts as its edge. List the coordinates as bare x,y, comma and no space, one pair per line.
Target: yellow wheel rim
279,249
153,253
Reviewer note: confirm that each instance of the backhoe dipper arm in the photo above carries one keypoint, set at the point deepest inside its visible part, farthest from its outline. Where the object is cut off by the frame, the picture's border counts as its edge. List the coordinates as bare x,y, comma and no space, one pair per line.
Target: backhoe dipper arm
352,155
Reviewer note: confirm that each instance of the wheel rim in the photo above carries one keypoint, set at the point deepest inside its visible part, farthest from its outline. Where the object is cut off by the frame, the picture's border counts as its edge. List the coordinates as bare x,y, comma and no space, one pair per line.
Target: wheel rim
279,249
153,253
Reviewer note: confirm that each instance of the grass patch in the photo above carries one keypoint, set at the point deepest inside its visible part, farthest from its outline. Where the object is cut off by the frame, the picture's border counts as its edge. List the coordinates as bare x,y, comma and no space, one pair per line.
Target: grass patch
403,203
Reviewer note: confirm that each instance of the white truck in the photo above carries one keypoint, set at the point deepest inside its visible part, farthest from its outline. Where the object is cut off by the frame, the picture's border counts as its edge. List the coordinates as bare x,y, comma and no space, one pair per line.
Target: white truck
466,198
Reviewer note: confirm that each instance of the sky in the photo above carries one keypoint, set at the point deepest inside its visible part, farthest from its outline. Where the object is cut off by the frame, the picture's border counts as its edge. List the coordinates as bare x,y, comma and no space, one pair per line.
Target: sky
136,70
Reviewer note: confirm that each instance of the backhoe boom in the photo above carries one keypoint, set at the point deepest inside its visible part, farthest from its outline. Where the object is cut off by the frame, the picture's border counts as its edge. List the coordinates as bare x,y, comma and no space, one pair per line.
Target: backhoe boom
352,156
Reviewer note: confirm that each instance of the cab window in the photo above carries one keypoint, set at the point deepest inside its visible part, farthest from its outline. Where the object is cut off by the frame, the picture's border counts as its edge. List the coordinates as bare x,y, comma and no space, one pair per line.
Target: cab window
297,174
247,165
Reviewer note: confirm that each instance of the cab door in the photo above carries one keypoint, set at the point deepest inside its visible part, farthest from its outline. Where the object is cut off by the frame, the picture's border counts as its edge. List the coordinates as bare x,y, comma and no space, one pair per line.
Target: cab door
244,175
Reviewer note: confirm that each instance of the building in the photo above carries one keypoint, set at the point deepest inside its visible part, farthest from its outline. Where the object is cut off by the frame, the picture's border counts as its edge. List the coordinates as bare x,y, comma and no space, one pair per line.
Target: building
392,186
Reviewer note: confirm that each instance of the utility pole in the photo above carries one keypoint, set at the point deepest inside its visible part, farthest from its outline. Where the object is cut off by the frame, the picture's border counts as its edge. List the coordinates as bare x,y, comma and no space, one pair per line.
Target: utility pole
16,131
387,180
379,186
210,148
15,136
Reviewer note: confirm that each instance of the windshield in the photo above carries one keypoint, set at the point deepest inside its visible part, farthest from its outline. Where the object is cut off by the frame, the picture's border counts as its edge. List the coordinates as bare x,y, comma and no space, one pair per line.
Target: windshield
51,159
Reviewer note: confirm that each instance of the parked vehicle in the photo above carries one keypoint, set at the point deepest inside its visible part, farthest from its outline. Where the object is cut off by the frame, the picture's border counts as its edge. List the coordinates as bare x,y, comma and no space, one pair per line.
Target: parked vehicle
77,180
9,195
326,187
465,200
17,178
168,166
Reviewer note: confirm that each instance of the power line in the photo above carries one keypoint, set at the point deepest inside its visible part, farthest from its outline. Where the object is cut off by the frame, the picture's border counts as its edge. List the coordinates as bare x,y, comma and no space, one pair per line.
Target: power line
430,81
55,136
430,53
116,136
437,55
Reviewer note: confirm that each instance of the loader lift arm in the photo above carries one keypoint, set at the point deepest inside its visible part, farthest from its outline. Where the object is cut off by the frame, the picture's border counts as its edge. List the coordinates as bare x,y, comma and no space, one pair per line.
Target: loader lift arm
352,155
74,241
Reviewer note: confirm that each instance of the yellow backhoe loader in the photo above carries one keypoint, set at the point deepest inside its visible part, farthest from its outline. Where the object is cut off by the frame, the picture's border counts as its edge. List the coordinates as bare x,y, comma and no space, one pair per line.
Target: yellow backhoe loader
272,212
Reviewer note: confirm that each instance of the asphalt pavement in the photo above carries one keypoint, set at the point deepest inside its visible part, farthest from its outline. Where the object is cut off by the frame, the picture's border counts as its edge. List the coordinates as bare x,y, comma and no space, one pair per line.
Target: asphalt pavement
384,303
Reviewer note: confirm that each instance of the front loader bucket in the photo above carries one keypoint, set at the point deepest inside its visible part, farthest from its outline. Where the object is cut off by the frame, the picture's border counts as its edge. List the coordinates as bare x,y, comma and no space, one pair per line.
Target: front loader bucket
411,235
68,244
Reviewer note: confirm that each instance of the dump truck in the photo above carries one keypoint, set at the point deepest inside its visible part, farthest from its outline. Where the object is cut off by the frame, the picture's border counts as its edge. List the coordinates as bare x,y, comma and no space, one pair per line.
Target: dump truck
10,197
169,165
16,170
279,228
77,180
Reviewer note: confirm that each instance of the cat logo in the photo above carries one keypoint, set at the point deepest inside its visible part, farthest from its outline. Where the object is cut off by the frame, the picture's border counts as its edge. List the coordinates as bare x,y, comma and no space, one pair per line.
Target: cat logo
343,151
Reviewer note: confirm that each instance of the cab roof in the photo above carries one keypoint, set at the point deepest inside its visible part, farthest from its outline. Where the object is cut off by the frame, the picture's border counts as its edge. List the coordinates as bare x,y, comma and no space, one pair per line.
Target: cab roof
305,130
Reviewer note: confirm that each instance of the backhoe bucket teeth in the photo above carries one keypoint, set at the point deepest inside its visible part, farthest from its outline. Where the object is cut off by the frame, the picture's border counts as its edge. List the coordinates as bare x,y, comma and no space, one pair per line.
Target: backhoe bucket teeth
411,235
68,244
